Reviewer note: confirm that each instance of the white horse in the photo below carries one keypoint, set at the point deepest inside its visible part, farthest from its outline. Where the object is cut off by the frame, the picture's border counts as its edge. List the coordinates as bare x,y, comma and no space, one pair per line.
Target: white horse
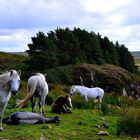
94,93
9,83
36,87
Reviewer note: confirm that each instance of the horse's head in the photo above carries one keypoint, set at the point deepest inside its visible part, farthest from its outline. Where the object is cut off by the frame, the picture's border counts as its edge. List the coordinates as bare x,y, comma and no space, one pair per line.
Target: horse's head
72,90
68,100
14,80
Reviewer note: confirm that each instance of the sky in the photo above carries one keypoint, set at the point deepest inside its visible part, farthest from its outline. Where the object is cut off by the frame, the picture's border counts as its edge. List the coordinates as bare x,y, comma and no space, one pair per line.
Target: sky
20,20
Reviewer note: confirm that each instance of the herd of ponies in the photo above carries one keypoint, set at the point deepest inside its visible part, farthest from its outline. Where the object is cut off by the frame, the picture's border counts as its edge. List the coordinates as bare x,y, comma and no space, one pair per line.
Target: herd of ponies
37,87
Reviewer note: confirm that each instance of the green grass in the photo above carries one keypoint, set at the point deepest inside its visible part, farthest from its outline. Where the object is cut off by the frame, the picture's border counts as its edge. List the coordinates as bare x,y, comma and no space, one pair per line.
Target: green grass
79,125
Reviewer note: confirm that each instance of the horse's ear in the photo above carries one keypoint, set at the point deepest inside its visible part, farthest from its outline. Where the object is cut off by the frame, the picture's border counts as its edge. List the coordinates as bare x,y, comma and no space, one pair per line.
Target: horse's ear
19,72
11,72
45,75
66,95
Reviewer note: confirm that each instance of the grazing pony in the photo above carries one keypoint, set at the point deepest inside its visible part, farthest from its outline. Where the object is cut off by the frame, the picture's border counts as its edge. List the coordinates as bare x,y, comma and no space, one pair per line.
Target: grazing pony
94,93
61,104
9,84
36,87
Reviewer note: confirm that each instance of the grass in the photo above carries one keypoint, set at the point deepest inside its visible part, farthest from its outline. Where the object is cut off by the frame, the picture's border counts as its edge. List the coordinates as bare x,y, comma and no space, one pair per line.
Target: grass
80,124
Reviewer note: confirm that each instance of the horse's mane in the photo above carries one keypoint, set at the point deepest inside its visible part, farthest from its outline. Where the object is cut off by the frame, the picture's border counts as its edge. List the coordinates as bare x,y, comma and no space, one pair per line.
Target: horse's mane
4,78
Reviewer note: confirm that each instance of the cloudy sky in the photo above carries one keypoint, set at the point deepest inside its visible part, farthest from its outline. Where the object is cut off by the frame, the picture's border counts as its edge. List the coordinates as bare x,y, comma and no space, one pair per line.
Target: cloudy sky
20,20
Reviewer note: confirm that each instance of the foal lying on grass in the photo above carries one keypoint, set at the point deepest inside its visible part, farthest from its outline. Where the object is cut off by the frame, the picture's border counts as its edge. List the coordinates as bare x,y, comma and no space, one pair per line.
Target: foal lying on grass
29,118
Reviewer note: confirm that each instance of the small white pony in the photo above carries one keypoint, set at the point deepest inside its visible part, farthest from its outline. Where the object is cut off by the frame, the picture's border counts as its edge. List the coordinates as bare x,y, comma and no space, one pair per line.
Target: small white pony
94,93
9,83
36,87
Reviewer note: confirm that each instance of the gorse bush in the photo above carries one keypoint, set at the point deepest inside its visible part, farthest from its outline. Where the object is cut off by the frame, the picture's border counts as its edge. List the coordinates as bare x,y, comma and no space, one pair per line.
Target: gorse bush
129,123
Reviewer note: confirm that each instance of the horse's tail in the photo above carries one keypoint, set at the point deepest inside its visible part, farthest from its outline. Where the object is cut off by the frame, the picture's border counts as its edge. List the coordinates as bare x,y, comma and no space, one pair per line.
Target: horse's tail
22,103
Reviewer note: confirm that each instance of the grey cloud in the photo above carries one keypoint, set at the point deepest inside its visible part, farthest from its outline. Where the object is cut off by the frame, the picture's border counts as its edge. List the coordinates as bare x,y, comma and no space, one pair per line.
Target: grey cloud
30,16
45,15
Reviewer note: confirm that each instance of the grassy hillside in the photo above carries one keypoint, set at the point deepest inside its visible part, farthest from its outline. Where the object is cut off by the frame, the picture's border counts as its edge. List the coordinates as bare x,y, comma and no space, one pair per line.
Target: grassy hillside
79,125
137,61
13,61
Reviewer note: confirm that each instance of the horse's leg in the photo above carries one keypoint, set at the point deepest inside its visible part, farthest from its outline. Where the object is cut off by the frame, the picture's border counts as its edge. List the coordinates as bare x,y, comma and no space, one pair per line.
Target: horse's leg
3,104
1,117
41,104
34,102
100,102
67,109
85,99
2,109
63,109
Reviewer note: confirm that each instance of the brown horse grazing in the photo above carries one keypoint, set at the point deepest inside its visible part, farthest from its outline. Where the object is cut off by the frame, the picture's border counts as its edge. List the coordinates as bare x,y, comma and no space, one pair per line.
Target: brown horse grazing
61,104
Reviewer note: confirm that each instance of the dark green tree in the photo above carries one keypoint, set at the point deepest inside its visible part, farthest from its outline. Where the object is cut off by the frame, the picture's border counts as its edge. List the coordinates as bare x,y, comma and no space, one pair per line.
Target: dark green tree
42,52
126,59
64,46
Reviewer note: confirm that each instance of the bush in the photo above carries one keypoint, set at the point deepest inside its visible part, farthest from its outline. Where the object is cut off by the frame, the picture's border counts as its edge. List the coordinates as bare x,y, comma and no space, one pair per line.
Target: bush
104,108
129,123
121,101
114,99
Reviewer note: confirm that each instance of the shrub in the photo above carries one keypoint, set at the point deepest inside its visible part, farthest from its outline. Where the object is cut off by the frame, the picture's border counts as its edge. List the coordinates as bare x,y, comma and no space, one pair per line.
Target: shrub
122,101
129,123
104,108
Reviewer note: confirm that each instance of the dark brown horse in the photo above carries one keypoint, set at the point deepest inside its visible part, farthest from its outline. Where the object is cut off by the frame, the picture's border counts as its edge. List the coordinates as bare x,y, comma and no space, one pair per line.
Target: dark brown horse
61,104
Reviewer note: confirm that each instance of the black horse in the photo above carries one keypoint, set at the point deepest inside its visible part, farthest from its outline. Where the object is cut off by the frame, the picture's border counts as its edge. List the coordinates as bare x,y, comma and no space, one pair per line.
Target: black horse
28,118
61,104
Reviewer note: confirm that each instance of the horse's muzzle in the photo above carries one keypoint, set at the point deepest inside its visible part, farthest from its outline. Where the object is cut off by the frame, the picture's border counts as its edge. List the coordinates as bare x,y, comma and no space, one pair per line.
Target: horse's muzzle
14,92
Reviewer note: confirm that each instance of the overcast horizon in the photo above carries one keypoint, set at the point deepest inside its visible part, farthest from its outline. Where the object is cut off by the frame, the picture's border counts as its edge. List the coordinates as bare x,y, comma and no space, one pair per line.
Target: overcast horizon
21,20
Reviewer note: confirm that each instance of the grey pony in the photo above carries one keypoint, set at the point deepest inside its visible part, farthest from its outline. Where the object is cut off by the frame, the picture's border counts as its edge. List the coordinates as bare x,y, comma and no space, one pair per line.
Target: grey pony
28,118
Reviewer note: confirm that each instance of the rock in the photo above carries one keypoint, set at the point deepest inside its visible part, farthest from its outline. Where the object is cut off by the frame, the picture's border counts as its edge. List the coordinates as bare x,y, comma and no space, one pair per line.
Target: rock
98,126
103,133
102,118
106,125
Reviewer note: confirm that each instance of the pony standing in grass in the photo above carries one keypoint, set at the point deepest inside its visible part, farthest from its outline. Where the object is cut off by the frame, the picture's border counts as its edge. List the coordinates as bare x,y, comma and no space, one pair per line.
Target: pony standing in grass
36,87
93,93
9,83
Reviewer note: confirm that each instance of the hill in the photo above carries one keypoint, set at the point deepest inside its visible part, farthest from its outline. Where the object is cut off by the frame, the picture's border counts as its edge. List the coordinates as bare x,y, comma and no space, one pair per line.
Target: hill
19,53
109,77
12,61
136,54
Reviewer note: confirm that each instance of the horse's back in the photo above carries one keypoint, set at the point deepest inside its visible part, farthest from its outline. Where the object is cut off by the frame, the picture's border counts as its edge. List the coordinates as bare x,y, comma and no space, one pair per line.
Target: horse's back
41,84
100,91
92,92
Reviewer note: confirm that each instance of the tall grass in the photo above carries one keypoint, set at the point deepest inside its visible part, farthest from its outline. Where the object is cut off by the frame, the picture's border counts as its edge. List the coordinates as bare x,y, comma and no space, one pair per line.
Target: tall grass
129,123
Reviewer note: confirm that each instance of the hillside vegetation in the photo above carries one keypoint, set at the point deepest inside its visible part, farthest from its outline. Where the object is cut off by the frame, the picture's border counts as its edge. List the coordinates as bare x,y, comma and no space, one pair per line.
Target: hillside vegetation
137,62
12,61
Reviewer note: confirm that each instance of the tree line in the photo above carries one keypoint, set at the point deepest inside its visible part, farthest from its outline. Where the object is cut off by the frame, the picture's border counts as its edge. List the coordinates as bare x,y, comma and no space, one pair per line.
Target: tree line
64,46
